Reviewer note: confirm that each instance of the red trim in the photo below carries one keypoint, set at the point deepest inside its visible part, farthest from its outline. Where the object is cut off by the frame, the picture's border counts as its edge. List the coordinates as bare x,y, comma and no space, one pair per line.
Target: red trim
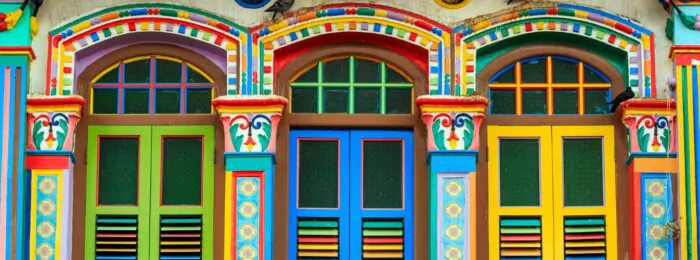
635,224
452,101
261,210
48,67
648,104
47,162
19,49
679,48
270,100
55,100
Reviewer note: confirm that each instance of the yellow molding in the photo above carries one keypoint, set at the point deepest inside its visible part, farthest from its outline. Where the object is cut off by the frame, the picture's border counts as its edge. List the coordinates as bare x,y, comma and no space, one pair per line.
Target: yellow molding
245,110
67,108
447,109
641,111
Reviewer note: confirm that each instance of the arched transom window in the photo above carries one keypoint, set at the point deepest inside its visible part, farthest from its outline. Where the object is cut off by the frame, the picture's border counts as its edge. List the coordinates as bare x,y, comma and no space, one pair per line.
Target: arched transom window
549,85
353,85
152,85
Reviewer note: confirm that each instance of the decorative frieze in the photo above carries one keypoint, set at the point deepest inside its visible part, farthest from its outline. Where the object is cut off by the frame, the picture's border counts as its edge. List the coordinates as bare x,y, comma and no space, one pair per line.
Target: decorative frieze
52,122
452,122
250,123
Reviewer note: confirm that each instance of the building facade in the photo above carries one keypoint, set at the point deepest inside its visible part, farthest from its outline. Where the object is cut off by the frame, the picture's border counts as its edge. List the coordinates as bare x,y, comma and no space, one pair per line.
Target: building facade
426,129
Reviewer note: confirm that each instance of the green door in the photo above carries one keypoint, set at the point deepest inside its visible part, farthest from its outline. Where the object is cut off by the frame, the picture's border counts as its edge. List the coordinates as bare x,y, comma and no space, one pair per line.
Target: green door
149,192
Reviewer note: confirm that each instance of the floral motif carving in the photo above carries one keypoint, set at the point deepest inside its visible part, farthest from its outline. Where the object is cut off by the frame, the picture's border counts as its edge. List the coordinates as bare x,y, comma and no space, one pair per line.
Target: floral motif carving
653,133
250,123
452,122
52,121
650,125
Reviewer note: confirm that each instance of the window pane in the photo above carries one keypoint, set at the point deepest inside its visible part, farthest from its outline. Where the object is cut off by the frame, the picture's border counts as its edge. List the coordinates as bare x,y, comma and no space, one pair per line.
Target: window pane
507,77
310,76
167,101
519,172
535,102
304,100
138,71
182,171
399,100
583,172
335,100
318,174
118,171
367,71
168,71
136,101
393,76
596,101
199,101
337,71
110,77
104,101
194,77
590,76
534,71
502,102
367,100
566,102
564,71
382,174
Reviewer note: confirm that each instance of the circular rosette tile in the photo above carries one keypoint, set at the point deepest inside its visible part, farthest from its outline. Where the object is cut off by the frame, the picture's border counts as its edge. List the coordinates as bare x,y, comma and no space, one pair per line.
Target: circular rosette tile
453,253
453,232
453,188
453,210
247,253
47,185
656,210
45,251
248,188
657,232
46,207
247,209
656,189
247,232
46,229
657,253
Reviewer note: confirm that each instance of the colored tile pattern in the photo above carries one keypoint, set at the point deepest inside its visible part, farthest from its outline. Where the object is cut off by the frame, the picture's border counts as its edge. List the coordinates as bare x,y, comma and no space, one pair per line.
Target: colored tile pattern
453,217
584,237
318,238
46,215
181,238
116,237
382,239
248,228
521,237
657,243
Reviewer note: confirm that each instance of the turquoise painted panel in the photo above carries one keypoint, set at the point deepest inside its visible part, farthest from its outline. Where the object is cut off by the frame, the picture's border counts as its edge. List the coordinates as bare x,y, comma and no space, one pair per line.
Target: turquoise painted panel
683,35
13,60
21,34
47,189
453,216
656,211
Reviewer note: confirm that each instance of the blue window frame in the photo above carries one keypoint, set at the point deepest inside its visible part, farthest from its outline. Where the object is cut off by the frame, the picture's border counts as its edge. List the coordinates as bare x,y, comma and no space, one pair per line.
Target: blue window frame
345,201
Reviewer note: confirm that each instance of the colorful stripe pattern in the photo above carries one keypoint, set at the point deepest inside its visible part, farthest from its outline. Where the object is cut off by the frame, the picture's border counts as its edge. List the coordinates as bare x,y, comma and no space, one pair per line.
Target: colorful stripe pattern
584,237
563,18
68,40
318,238
657,242
46,215
521,237
382,238
454,212
181,238
116,238
688,129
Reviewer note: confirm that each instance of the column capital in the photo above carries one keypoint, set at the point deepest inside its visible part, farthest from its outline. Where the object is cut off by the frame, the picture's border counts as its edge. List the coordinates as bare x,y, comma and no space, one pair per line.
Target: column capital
452,122
250,122
52,121
651,126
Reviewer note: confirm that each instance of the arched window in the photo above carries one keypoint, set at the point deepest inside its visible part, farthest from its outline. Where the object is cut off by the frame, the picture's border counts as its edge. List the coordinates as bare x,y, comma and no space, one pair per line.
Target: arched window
549,85
152,85
353,85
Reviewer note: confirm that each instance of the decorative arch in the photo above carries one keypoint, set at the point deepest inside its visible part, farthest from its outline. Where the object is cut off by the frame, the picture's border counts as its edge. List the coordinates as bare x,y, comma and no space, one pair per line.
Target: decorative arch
351,18
69,39
590,24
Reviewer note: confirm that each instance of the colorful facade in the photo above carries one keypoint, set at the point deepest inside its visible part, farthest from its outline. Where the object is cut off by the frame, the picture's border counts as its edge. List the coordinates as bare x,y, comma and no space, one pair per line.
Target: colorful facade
429,129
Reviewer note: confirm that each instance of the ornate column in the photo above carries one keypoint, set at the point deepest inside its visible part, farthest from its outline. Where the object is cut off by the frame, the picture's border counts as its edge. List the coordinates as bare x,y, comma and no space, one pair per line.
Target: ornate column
51,123
453,146
651,143
250,129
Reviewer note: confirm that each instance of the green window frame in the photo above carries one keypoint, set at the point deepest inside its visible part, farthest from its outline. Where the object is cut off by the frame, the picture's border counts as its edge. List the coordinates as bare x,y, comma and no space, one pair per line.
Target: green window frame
146,228
352,85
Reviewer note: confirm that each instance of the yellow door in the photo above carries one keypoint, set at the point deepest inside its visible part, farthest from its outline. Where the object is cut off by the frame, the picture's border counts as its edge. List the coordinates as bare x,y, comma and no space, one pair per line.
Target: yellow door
551,192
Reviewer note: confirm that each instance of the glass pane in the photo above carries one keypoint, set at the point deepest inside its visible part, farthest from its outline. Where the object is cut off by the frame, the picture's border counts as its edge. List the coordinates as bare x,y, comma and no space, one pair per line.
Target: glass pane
564,71
502,102
318,174
591,76
167,101
393,76
310,76
382,174
110,77
199,101
565,102
182,171
337,71
508,76
367,71
304,100
168,71
195,77
136,101
534,71
535,102
104,101
399,100
138,71
118,171
519,172
367,100
583,172
596,101
335,100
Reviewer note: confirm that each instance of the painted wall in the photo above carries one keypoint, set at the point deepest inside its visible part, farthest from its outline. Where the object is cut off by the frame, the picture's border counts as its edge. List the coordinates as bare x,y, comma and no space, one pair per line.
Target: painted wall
56,12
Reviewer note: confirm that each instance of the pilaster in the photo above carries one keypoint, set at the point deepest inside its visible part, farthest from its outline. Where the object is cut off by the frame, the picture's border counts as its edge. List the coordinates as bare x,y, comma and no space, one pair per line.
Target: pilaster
453,147
250,130
651,137
49,164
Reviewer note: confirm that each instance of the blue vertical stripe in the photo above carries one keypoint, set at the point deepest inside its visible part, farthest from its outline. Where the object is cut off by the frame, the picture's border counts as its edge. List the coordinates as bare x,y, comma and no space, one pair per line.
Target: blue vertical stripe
245,86
441,91
22,139
6,182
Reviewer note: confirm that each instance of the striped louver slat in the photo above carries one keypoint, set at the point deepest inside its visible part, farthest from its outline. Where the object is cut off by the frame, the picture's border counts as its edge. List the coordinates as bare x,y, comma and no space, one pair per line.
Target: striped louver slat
382,238
181,238
318,238
116,238
521,238
584,238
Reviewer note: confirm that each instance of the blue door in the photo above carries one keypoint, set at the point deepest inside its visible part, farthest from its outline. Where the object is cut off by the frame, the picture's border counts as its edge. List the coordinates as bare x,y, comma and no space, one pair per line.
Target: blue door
351,194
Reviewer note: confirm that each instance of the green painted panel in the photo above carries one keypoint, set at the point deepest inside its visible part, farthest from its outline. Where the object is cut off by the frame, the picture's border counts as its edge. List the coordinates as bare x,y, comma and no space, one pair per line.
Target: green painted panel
382,179
534,102
104,101
502,102
367,101
195,77
534,71
596,101
367,71
167,101
318,174
168,71
137,71
199,101
136,101
118,171
519,161
309,76
399,100
304,100
583,172
181,171
335,100
336,71
565,102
